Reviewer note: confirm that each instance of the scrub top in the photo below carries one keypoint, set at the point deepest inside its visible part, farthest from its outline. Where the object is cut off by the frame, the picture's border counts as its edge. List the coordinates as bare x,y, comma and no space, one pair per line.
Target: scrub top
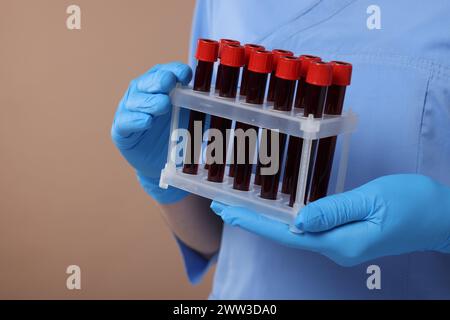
401,93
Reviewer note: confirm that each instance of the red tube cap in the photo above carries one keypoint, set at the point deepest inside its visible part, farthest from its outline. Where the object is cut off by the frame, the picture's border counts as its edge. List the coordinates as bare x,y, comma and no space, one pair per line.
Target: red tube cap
207,50
277,54
306,59
223,42
261,61
233,55
249,47
320,74
342,73
288,68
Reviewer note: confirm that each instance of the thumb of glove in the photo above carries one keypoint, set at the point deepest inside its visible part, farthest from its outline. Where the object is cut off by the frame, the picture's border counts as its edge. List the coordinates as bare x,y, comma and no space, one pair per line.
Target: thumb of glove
333,211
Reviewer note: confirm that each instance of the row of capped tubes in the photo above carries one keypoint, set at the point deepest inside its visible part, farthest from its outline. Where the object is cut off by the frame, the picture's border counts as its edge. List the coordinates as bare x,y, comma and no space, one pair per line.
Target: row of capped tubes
319,88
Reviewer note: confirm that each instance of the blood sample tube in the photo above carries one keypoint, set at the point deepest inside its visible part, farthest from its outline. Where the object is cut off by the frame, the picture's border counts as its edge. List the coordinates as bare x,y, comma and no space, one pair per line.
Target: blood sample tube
222,42
295,143
249,47
259,66
206,55
287,74
306,60
257,180
342,73
233,58
277,53
318,80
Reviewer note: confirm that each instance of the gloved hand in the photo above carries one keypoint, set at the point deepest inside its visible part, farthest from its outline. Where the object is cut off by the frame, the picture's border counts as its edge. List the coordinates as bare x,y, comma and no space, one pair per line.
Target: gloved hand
141,125
388,216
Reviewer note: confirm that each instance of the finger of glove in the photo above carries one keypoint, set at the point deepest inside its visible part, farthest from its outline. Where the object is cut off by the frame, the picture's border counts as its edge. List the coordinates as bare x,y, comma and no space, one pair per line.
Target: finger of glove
333,211
257,223
152,104
163,78
127,122
160,81
182,71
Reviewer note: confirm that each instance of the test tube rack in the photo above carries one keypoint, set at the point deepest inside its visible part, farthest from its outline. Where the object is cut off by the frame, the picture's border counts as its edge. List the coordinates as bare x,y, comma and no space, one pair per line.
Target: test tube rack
289,122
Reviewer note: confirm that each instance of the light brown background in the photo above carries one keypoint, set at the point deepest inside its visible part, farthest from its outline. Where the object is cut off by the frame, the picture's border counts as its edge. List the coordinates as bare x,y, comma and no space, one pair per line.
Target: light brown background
66,195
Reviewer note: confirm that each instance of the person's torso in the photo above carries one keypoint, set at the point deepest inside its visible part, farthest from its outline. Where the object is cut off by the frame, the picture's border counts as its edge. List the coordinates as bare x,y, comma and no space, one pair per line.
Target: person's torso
399,91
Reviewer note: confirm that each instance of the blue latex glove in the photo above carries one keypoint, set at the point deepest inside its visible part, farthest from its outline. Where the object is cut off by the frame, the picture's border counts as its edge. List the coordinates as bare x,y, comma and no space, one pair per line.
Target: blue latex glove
387,216
141,125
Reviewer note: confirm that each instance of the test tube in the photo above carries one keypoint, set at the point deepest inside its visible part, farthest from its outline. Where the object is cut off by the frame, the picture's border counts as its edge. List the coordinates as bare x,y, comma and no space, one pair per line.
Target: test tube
277,53
287,74
318,80
249,47
259,67
295,143
342,73
233,58
222,42
306,60
206,55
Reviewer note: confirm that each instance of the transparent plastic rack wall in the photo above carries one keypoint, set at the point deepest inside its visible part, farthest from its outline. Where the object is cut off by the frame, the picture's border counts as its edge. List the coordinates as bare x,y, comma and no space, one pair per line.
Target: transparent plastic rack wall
291,123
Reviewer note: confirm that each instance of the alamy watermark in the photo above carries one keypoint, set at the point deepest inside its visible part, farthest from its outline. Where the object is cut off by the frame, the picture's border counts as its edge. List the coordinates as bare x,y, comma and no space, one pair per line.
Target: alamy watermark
373,21
243,149
374,280
73,281
73,21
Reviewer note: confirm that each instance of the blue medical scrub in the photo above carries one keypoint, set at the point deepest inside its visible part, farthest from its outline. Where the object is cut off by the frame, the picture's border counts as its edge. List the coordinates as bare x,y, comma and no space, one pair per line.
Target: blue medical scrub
401,92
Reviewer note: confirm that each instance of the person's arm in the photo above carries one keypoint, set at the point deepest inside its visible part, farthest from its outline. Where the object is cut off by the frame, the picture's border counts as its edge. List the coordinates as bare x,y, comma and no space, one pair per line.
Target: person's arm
195,224
390,215
141,133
